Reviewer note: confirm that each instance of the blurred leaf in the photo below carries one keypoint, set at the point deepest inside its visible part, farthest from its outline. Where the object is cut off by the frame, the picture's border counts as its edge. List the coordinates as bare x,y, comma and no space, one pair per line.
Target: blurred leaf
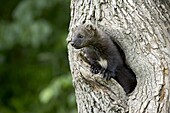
32,54
55,88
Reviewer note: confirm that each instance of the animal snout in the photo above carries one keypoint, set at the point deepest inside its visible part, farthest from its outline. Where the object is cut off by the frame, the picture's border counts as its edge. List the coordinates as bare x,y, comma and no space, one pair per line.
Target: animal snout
72,43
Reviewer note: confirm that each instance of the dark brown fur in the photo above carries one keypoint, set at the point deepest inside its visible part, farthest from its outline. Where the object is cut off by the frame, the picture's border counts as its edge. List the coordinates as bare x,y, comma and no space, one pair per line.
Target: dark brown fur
97,45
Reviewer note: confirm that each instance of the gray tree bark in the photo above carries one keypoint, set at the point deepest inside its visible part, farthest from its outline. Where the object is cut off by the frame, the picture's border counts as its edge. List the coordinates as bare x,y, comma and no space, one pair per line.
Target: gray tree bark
142,29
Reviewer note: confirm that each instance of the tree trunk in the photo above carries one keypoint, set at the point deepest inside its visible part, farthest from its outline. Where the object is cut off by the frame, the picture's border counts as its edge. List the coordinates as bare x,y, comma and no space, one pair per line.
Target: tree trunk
142,29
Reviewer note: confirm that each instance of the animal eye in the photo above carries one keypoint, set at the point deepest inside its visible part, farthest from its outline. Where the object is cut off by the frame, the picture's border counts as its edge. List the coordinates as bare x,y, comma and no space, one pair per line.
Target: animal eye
80,36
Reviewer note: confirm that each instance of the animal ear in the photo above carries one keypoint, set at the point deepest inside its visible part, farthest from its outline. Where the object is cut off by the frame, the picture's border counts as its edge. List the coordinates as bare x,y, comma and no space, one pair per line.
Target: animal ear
90,27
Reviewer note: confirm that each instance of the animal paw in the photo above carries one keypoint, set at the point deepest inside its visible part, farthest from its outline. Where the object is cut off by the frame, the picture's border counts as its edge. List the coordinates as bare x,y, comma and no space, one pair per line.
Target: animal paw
95,69
108,75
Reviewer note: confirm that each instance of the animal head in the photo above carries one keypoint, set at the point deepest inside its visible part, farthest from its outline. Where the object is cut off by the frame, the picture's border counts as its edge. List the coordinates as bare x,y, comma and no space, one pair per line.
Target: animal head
83,36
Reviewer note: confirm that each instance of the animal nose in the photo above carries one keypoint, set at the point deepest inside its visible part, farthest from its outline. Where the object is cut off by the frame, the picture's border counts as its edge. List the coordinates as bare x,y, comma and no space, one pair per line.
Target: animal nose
72,43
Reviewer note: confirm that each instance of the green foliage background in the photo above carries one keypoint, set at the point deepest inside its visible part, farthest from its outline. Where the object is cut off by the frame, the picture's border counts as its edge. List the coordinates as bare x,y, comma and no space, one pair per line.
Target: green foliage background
34,72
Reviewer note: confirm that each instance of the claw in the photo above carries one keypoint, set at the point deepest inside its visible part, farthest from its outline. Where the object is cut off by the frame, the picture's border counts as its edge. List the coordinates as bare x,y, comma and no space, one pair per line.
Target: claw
102,71
108,75
95,69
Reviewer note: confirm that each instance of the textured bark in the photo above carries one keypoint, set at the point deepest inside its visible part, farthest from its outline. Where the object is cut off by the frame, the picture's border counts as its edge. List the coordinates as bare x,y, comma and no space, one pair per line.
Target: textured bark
142,29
